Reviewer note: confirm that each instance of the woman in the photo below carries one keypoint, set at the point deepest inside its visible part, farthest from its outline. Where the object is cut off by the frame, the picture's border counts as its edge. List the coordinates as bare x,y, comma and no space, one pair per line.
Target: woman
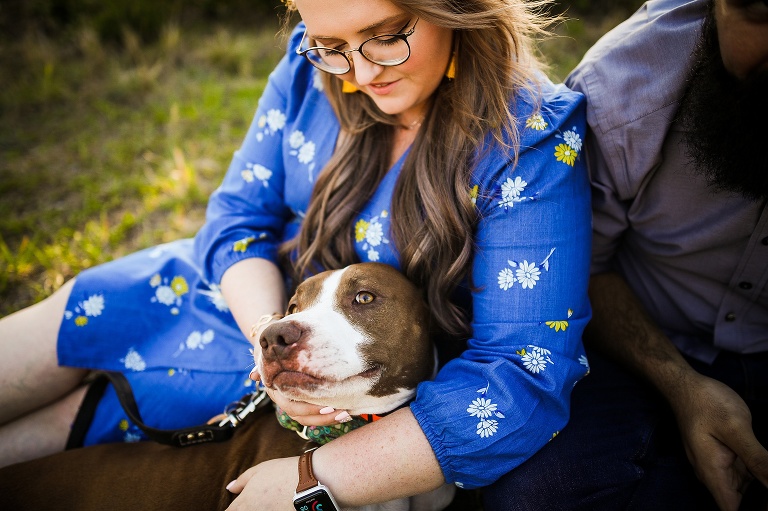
421,134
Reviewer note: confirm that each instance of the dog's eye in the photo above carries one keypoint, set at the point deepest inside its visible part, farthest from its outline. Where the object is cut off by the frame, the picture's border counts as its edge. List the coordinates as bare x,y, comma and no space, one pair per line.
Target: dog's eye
364,297
291,309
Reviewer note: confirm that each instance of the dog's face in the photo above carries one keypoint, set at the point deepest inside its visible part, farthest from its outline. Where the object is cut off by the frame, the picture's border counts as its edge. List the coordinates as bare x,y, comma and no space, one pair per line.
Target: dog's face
355,339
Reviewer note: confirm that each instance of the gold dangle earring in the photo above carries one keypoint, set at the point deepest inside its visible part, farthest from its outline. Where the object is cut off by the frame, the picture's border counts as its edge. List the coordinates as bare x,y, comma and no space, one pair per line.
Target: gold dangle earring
347,87
450,73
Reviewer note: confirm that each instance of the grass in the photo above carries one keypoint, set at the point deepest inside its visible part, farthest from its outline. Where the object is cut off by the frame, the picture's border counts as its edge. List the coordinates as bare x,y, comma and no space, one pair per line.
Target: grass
108,149
104,150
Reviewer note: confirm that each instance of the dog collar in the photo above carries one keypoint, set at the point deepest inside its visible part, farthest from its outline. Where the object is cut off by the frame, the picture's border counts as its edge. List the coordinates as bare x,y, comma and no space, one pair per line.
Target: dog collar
323,434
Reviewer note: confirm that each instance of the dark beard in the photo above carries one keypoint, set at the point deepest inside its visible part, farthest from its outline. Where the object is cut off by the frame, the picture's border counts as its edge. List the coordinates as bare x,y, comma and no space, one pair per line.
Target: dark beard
724,118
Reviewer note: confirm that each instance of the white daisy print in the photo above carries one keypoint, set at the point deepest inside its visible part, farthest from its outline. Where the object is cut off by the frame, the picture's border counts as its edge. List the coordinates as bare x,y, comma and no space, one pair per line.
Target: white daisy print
371,235
133,361
94,305
216,297
536,122
374,234
131,438
271,123
535,359
254,172
513,188
573,139
481,408
506,278
165,295
198,340
303,150
169,291
296,139
306,152
527,274
511,191
275,120
487,428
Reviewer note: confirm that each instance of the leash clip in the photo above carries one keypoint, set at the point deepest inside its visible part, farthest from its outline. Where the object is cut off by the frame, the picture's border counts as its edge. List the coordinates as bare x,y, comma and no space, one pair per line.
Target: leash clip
243,408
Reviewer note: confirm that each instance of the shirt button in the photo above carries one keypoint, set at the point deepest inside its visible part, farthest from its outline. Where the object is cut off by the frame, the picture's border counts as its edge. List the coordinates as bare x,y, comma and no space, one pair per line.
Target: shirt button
730,316
745,285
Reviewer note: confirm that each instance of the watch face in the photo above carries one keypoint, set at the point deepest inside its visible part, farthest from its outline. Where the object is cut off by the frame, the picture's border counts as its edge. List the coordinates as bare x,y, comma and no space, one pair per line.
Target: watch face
318,500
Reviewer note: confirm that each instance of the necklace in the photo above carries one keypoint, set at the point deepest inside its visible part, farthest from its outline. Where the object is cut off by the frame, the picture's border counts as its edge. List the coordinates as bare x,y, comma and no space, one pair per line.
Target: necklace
412,126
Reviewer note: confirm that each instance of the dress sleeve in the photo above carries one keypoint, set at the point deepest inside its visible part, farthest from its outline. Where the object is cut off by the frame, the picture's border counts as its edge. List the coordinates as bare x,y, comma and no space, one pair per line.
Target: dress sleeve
508,394
247,214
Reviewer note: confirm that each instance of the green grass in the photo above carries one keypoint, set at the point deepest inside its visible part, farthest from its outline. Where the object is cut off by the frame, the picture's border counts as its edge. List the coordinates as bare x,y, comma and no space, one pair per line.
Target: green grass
108,149
104,151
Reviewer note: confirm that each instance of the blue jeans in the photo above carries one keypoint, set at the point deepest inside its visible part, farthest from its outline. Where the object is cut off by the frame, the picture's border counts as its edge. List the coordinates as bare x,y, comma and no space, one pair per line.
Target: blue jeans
621,448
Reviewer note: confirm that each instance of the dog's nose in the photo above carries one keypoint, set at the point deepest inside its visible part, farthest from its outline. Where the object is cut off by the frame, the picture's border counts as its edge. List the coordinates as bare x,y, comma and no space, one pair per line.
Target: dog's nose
278,336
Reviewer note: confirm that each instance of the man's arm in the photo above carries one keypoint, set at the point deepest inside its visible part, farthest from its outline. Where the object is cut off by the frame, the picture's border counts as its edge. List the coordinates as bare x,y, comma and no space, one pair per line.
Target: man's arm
715,423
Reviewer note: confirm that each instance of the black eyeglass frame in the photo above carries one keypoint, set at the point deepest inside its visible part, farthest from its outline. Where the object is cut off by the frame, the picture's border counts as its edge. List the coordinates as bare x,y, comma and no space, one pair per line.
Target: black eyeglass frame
402,36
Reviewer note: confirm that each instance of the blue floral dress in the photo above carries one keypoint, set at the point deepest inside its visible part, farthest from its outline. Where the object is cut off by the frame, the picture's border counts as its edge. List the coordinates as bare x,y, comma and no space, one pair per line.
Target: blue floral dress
158,315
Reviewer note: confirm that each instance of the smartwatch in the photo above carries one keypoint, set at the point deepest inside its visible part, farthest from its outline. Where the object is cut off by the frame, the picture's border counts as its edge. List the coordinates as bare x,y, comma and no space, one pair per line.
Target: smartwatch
311,495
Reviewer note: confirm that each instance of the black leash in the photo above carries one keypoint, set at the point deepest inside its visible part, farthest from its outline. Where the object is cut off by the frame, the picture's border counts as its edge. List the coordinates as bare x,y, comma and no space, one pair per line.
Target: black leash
218,431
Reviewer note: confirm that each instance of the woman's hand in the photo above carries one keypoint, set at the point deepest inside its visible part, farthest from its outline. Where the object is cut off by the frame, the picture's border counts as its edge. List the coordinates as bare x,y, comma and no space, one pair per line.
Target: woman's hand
308,414
269,485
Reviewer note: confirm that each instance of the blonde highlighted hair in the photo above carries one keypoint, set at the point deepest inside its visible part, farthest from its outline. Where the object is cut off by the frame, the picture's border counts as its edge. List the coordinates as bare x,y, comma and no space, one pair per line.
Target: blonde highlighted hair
433,217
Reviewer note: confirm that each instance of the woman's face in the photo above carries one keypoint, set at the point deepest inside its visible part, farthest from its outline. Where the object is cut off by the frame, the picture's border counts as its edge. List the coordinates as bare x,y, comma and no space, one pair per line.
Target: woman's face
401,90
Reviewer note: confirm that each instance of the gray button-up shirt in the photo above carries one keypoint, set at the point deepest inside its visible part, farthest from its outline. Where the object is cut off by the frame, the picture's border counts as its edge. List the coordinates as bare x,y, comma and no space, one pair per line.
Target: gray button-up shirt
696,259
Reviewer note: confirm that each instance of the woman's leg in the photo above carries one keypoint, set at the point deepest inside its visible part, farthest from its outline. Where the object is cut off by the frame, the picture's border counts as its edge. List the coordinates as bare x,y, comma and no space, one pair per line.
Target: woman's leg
30,377
40,433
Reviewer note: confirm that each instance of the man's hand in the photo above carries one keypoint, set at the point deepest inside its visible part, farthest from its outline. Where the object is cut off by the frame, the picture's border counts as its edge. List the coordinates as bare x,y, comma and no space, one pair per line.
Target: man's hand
716,427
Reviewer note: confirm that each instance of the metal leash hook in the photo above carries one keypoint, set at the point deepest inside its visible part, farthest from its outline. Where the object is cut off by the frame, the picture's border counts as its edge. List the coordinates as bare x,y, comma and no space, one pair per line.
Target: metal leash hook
244,407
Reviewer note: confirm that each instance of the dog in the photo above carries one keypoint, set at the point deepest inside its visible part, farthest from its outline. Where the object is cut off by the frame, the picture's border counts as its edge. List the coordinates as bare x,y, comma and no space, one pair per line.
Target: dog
354,339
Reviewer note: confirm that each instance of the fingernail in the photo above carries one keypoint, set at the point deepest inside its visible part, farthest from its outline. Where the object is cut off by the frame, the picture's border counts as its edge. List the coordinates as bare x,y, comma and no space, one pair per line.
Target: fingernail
327,410
343,417
254,375
230,485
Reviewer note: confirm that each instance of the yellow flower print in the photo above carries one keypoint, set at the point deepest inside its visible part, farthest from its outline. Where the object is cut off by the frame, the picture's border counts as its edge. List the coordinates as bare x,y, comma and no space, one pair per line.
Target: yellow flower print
361,228
179,285
384,214
81,321
564,153
171,372
560,324
156,280
473,192
521,352
242,245
557,325
536,122
262,121
123,425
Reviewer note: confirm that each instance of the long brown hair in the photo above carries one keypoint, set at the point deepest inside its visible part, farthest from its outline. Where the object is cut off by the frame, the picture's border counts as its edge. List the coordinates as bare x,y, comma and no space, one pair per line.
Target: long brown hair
433,217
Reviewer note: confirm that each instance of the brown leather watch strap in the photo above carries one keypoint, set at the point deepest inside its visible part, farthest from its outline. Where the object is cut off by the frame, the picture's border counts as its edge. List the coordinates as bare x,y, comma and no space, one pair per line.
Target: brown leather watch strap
307,478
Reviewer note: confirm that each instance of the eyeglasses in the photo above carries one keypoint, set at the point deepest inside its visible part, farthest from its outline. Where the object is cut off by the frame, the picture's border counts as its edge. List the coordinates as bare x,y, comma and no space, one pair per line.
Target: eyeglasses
384,50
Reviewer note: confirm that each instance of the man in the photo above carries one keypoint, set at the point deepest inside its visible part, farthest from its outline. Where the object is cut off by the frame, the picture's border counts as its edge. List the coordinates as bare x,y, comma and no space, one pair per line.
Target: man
678,156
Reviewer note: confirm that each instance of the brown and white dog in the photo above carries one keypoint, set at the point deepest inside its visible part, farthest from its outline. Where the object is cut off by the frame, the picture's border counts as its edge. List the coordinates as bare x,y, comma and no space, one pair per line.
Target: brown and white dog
355,339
